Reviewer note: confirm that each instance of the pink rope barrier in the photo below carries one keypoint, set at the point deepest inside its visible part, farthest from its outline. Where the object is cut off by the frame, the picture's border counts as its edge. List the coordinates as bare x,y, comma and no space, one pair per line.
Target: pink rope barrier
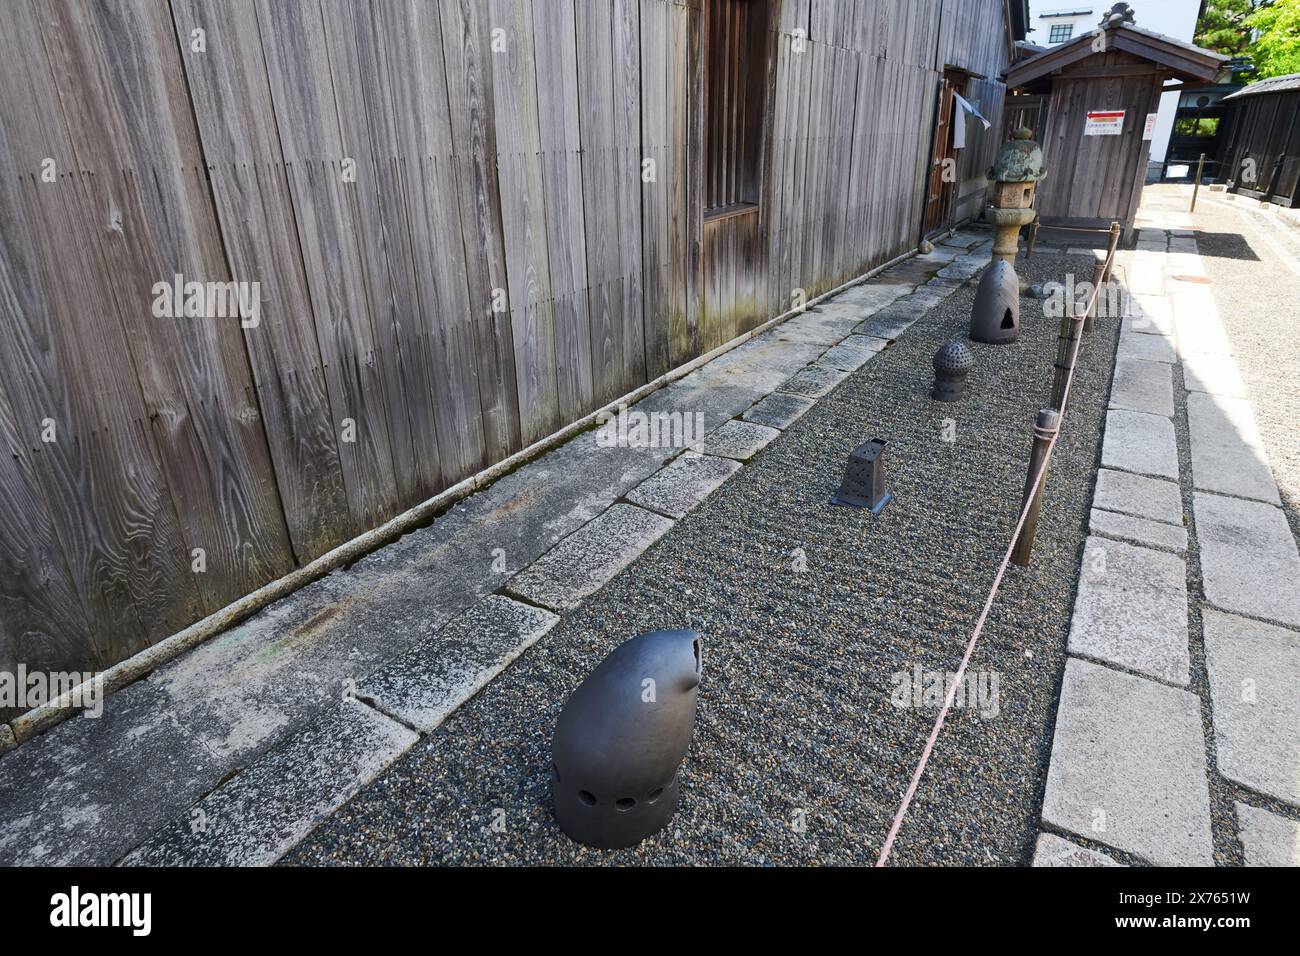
988,603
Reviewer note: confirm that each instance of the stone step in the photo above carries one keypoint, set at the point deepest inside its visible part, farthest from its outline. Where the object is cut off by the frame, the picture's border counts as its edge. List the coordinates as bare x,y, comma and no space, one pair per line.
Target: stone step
1128,767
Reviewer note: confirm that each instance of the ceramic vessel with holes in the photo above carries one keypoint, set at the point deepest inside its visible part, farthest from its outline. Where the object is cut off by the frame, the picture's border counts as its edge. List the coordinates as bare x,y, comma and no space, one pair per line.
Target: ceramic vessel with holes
995,317
952,363
621,737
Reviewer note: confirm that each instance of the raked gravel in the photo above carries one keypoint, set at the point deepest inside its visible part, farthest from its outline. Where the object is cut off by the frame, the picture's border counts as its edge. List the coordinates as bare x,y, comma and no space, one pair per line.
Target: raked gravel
799,756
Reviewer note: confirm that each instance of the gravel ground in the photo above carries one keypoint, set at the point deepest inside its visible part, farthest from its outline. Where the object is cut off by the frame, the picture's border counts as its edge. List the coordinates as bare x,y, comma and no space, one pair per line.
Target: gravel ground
795,712
1257,295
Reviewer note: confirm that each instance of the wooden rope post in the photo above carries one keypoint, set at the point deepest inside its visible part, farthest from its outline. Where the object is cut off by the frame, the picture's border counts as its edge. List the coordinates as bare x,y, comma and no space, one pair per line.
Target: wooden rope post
1098,280
1033,237
1071,331
1049,421
1196,190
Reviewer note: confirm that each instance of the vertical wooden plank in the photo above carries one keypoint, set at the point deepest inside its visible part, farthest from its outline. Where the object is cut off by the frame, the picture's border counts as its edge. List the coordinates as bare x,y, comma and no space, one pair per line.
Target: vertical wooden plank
386,193
557,89
302,95
626,157
466,40
679,214
523,218
232,103
366,190
656,193
600,203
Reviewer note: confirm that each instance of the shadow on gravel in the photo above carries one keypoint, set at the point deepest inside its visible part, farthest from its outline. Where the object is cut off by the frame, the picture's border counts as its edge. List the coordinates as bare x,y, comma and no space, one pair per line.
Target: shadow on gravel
1225,245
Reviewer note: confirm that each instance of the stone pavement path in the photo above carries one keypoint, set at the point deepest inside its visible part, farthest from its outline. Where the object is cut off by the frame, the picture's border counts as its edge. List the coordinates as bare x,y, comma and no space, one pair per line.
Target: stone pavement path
1178,731
279,720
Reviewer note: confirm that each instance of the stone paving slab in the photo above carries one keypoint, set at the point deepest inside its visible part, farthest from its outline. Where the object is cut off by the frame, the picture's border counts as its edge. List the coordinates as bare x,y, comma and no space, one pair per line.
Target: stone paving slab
822,326
1131,609
583,563
1148,348
893,321
1128,766
1228,453
1216,374
1254,673
1248,558
814,381
853,353
1145,270
1052,850
1138,495
268,807
963,241
684,484
739,440
872,296
89,789
1142,386
427,683
1157,534
1268,839
1153,316
779,410
1140,443
1201,334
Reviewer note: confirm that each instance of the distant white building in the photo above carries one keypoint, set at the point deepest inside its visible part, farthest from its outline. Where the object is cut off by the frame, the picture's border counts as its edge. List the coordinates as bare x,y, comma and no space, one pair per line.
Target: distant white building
1052,22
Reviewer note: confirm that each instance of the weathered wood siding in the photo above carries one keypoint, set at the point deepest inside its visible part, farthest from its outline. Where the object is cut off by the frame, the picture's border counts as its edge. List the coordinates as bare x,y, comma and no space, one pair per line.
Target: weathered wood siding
457,250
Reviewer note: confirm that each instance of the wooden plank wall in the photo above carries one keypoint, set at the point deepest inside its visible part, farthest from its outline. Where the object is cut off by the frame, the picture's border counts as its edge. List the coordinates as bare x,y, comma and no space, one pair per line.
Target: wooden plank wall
459,243
1093,177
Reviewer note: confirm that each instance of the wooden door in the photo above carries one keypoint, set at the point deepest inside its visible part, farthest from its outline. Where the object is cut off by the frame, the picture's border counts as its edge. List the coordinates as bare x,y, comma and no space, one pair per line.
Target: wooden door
938,197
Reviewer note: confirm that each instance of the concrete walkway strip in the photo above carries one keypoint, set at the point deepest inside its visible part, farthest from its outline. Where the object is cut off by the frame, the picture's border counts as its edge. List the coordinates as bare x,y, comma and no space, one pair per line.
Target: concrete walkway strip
1228,453
778,410
1138,495
1131,610
1248,558
584,562
1052,850
1140,443
684,484
1128,767
1268,839
427,683
1255,688
1157,534
1142,386
261,813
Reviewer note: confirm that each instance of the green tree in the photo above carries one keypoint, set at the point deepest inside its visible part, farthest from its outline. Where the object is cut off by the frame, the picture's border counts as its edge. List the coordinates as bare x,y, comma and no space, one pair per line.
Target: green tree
1276,50
1223,28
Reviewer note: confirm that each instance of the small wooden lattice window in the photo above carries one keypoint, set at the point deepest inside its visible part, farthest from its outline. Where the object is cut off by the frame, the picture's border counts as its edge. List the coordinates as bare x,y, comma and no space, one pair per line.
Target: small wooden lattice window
735,83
